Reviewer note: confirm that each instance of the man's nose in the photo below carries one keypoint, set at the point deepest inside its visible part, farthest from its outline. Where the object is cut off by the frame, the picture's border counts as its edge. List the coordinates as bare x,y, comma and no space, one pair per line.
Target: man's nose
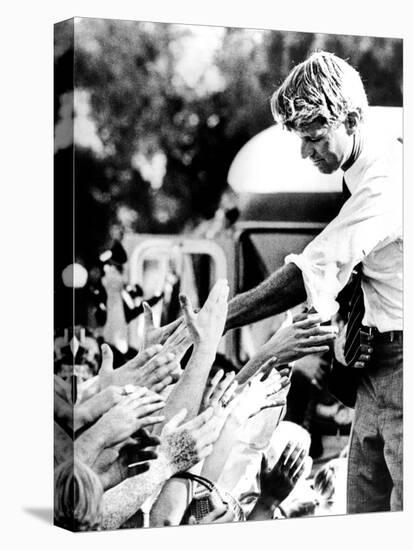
307,149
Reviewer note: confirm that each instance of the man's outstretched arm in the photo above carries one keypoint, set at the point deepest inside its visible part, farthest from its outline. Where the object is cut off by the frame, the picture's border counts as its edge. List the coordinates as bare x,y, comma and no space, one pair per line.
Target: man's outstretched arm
282,290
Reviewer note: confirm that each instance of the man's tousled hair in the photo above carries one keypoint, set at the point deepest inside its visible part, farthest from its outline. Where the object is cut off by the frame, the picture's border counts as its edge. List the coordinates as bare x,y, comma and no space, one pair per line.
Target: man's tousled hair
323,87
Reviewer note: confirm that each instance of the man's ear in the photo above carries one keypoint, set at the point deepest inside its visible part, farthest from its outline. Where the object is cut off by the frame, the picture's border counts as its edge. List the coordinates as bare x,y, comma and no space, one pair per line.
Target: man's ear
352,122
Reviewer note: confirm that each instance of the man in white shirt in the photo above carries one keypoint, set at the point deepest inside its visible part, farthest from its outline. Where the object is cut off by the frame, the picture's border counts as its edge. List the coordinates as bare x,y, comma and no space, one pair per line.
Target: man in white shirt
324,102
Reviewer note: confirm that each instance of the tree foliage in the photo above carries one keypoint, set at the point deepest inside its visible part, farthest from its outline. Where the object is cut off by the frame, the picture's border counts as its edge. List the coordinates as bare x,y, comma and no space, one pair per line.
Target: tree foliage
143,102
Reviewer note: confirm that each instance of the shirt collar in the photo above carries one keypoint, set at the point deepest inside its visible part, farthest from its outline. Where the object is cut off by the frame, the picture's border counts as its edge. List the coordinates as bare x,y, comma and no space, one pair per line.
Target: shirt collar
351,162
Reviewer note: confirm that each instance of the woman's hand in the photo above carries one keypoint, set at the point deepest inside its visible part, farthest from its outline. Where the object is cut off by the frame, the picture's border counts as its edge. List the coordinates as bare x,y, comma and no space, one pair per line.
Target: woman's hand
220,390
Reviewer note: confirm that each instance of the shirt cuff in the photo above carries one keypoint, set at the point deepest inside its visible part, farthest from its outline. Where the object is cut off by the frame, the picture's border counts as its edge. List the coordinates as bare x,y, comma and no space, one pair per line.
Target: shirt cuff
320,284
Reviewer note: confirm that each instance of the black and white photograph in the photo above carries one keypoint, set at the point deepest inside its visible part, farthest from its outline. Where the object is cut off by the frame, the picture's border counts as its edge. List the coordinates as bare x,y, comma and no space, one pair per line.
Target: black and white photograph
228,274
205,288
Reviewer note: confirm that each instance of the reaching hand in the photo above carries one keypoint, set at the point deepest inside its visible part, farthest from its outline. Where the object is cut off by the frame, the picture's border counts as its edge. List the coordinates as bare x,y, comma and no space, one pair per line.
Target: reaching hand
219,390
156,335
278,483
304,336
132,413
207,326
259,394
178,342
184,445
153,368
114,464
92,409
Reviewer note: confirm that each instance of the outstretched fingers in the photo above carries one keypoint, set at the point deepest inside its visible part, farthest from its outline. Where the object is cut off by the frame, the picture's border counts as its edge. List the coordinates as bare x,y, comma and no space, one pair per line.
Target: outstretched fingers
218,294
187,310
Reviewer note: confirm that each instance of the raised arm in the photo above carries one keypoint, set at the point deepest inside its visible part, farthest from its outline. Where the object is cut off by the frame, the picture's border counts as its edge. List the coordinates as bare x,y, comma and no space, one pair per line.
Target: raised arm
282,290
206,329
304,336
115,331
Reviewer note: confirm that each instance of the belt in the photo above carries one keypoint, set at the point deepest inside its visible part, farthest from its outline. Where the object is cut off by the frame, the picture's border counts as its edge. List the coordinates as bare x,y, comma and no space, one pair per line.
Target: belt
383,337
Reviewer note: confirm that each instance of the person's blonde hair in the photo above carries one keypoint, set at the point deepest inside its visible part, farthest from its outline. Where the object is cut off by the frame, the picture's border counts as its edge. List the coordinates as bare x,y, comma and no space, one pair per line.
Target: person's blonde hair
78,497
323,87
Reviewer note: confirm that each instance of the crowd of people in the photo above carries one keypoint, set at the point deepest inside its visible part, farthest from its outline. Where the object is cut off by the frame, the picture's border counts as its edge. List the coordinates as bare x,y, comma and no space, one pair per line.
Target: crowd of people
174,435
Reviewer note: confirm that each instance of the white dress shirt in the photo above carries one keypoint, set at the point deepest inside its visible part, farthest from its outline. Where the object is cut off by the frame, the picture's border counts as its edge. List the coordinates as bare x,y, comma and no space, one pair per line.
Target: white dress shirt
367,229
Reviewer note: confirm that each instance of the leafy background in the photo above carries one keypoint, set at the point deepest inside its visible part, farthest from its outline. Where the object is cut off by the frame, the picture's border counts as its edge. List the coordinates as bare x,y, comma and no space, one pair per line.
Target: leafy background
160,111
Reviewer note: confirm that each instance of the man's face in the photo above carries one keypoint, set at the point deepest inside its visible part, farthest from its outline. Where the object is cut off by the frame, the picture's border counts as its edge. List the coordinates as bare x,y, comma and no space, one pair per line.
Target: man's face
327,147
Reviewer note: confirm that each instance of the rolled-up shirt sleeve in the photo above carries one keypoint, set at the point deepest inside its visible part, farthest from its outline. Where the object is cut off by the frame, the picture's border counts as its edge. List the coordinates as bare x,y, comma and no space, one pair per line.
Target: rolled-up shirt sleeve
370,219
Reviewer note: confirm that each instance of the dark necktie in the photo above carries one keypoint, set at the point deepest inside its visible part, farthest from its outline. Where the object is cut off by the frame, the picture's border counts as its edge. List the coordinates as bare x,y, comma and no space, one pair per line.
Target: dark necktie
352,346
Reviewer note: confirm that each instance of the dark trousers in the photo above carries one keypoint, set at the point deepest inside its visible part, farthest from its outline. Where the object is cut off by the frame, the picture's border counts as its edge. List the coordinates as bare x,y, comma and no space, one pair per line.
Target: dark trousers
375,464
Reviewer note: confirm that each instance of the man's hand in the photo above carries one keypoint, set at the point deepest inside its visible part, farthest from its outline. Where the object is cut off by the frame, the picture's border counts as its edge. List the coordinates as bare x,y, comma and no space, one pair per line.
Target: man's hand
207,326
303,337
